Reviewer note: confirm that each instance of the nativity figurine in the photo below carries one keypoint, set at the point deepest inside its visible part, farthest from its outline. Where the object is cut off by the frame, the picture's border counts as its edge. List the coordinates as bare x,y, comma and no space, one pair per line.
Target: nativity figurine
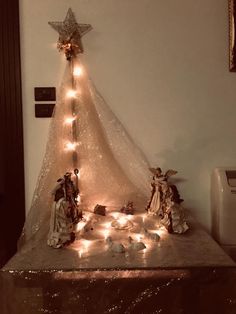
151,235
100,210
115,247
128,209
136,245
65,211
165,202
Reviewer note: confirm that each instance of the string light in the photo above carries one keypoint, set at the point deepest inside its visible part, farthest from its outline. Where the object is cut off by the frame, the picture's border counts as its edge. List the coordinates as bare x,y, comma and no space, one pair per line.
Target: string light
69,120
78,199
71,93
115,215
86,244
122,221
162,232
80,226
78,71
106,233
80,253
70,146
107,225
138,237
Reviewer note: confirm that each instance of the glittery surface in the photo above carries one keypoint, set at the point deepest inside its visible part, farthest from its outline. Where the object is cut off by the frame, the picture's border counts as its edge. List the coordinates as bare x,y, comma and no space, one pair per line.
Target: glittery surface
193,249
71,32
173,291
112,169
69,26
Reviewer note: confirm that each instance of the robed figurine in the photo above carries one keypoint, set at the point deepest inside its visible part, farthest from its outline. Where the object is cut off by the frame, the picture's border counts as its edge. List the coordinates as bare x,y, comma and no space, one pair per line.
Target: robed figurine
65,211
165,202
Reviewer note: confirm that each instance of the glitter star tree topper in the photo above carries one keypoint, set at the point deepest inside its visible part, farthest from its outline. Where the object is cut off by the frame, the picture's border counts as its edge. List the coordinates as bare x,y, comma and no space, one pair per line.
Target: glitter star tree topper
70,33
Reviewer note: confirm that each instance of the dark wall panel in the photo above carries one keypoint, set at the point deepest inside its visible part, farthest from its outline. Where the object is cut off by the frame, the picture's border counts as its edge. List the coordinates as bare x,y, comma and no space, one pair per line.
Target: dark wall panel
12,205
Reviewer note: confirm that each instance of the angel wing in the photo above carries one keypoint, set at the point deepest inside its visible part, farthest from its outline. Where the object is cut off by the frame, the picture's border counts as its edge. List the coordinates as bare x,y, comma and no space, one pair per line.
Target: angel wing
170,173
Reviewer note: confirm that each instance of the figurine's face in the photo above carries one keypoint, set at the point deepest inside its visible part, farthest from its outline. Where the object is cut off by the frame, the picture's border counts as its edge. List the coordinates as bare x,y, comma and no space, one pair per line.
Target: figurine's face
158,172
69,191
164,187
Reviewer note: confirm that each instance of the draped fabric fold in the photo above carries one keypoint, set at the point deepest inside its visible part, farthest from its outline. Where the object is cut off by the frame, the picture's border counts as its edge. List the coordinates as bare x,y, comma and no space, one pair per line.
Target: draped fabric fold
113,170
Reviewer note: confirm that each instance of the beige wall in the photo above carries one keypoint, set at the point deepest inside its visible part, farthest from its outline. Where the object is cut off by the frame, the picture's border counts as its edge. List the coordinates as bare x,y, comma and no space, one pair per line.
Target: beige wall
161,65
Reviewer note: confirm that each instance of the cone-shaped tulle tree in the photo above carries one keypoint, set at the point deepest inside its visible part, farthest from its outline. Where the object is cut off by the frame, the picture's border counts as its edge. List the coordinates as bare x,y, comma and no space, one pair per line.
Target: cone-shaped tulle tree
85,135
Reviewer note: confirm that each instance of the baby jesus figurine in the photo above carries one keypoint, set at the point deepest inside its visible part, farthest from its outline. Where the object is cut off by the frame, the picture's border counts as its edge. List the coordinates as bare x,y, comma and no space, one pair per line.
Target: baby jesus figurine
165,202
65,212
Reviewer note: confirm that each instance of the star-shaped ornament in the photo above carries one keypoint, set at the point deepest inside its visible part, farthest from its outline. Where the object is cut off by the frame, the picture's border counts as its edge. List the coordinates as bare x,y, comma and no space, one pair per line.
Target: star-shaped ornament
70,33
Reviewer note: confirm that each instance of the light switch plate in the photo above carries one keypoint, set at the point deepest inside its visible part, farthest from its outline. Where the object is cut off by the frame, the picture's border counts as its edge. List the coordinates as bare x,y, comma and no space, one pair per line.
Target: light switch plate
44,93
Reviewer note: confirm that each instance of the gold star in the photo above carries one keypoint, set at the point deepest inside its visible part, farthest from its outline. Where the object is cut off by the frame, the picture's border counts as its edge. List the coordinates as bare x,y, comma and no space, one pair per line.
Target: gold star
70,33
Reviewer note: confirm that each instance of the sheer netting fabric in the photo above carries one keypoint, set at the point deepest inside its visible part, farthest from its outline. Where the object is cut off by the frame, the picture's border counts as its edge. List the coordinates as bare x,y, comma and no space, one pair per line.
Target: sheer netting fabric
112,169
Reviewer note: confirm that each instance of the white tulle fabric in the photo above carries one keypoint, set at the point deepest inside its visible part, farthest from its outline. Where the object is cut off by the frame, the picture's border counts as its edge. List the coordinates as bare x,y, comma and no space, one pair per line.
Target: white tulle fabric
112,169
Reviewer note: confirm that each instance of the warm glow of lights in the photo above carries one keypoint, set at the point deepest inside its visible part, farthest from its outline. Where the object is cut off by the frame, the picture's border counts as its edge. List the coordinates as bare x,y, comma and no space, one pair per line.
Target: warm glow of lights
144,220
88,215
70,146
80,226
107,225
86,244
106,233
115,215
138,237
131,217
78,71
78,199
122,221
69,120
80,253
162,231
71,93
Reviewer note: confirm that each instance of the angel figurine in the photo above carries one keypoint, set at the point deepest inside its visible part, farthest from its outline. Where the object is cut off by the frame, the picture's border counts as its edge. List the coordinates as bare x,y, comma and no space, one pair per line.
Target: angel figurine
65,211
165,202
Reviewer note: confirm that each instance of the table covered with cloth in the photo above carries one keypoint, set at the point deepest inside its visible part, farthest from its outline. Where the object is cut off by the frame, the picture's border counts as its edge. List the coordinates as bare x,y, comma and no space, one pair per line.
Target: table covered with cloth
186,273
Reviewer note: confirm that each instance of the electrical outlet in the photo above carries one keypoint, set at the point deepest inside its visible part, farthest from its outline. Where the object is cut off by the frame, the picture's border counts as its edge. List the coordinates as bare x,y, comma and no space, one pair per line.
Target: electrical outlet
44,110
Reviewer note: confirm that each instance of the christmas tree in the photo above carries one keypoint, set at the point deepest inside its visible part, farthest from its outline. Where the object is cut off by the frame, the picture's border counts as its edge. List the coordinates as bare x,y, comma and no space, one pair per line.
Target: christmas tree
94,181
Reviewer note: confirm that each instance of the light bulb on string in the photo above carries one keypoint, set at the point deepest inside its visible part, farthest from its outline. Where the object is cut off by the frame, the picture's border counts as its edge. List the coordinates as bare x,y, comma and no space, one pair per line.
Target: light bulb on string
86,244
138,237
69,120
107,225
77,71
106,233
78,199
80,253
70,146
115,215
71,93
